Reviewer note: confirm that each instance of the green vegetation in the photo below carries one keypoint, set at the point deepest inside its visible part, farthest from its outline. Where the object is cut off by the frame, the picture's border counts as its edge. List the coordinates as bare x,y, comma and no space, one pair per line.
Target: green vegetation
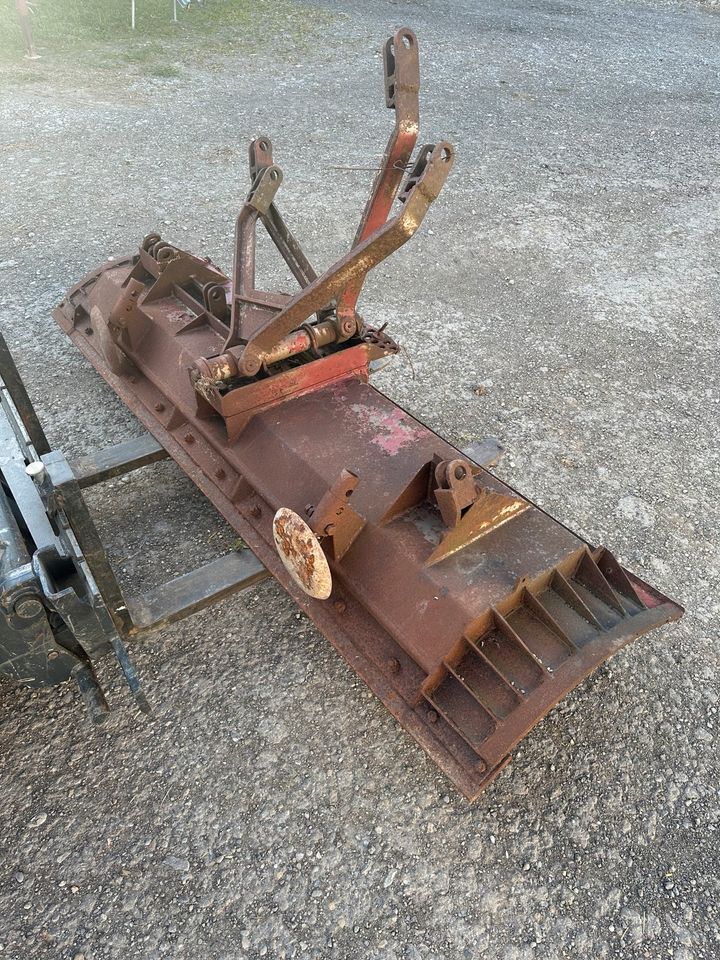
95,35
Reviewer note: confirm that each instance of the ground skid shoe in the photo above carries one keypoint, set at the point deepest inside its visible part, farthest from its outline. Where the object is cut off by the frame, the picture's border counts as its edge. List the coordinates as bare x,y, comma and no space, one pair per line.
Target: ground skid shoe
465,608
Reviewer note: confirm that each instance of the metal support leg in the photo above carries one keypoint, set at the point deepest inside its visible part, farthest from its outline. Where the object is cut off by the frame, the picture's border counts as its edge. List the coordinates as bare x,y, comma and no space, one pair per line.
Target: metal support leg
64,488
19,396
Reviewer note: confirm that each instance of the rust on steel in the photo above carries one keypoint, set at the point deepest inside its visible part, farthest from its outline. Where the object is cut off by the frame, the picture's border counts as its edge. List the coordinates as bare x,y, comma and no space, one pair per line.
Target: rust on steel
301,553
334,517
466,608
424,185
488,511
402,94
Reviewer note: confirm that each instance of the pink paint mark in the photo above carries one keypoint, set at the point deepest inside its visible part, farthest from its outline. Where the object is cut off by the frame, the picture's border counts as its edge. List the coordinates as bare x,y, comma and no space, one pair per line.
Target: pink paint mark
390,431
398,433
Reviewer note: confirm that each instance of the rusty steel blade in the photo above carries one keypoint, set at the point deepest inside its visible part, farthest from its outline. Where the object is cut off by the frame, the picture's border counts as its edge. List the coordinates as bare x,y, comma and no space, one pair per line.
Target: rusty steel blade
465,607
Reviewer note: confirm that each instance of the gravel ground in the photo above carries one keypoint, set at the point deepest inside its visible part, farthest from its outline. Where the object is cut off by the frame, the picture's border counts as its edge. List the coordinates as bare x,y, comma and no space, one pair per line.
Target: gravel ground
271,807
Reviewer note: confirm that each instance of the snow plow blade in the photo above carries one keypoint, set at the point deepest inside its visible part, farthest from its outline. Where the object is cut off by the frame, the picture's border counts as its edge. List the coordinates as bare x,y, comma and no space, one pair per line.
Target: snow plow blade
466,608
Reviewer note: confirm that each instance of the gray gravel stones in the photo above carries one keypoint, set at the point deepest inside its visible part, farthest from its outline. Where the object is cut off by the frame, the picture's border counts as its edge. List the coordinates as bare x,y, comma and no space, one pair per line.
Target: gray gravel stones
271,807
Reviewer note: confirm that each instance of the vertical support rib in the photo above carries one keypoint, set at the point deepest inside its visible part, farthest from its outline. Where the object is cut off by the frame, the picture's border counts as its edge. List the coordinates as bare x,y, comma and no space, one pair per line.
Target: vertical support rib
516,691
280,234
589,575
243,276
617,578
19,396
402,88
562,586
517,639
538,610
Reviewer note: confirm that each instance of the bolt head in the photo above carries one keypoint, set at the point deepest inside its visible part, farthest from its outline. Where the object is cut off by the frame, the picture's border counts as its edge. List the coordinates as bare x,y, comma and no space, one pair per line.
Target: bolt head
27,608
249,366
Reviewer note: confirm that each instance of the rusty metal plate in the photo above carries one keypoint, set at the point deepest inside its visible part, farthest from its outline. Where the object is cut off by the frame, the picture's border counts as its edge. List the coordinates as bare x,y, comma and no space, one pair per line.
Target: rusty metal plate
301,554
467,609
467,653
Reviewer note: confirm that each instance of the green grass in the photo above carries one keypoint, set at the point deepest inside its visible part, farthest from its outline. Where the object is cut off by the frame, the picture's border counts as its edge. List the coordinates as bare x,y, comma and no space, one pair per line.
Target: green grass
165,71
95,35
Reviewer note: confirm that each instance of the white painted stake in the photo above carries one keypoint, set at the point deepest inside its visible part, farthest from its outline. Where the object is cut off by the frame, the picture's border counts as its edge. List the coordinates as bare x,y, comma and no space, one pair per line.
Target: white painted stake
132,14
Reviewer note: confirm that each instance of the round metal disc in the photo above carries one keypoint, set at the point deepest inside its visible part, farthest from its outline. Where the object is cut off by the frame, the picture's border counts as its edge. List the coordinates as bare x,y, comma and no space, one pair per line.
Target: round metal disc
300,551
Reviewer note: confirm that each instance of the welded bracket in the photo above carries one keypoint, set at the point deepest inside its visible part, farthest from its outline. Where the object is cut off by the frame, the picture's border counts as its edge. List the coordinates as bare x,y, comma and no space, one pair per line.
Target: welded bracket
468,510
333,519
422,187
250,307
264,326
427,179
455,489
402,88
